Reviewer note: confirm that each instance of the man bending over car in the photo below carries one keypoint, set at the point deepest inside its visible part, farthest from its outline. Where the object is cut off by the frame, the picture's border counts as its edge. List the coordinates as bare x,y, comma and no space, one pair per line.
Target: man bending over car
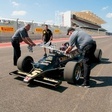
19,36
86,46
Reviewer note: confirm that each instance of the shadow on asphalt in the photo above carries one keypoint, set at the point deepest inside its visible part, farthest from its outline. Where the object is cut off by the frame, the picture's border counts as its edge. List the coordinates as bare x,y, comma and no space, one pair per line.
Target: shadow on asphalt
103,61
58,89
35,84
103,81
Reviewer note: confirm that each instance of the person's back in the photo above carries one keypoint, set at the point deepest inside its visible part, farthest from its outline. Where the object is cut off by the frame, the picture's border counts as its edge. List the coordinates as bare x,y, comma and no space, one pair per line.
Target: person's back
86,47
82,38
17,35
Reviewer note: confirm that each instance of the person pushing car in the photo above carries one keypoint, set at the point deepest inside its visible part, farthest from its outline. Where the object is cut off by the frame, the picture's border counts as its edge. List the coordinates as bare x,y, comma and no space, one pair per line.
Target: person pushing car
20,35
86,46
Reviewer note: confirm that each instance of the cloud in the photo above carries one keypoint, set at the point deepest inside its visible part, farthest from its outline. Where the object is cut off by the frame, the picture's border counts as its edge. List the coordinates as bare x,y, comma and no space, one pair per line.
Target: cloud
49,22
15,4
109,15
18,13
104,8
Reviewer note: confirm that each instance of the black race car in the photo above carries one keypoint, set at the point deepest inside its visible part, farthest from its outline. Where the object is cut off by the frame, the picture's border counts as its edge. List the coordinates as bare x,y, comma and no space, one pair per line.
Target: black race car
51,69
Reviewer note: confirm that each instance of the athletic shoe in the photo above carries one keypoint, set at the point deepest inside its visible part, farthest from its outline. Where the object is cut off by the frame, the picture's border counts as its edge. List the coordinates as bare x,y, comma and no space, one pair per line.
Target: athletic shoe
85,85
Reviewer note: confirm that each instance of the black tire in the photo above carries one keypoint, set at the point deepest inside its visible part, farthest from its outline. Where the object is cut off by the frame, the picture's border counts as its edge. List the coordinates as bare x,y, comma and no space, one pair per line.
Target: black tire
24,64
72,72
98,55
66,44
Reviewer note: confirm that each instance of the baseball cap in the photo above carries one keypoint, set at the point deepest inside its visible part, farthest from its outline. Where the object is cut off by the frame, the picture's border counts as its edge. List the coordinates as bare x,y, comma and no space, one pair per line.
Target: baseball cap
70,29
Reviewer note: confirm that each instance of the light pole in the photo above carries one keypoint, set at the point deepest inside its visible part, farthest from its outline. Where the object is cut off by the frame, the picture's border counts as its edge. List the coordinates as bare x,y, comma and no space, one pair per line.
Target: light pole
17,23
32,27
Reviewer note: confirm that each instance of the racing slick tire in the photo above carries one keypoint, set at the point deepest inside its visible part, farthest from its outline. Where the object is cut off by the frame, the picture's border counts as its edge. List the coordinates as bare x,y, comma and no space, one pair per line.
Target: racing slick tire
72,72
98,55
24,64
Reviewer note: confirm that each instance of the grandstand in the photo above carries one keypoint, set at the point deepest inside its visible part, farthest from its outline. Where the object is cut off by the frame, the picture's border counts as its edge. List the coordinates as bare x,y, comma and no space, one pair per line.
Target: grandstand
84,20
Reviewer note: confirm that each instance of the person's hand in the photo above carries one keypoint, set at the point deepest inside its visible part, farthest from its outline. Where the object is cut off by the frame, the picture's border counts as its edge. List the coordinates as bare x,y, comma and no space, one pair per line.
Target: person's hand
66,52
34,44
31,44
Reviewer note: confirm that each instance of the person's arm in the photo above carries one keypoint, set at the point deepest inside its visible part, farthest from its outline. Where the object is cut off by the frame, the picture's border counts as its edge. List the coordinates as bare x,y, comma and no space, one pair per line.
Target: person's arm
68,49
43,35
25,37
72,41
51,37
29,40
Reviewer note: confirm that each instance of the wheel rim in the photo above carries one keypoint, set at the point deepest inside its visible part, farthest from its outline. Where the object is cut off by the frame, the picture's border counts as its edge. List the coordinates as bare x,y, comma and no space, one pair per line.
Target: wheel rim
100,55
77,73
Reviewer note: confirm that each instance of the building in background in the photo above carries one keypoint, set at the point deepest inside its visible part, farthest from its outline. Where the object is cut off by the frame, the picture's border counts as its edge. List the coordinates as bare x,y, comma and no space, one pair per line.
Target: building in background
85,20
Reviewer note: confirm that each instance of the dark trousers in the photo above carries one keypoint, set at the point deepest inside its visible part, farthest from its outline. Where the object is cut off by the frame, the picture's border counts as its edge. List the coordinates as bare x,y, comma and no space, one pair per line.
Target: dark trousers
87,57
16,51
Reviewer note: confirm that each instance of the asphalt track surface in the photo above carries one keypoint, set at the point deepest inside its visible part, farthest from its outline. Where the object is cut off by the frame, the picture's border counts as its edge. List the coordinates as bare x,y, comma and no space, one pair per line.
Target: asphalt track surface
17,96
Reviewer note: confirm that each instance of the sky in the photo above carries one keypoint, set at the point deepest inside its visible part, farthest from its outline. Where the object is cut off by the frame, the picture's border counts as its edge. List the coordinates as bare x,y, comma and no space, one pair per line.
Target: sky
49,10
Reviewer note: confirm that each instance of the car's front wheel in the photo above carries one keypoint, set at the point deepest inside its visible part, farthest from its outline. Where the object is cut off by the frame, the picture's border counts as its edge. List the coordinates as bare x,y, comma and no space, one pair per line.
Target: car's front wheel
25,63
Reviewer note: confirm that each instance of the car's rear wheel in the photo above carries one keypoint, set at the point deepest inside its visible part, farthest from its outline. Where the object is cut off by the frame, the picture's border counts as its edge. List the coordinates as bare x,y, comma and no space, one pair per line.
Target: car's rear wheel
98,55
25,63
72,72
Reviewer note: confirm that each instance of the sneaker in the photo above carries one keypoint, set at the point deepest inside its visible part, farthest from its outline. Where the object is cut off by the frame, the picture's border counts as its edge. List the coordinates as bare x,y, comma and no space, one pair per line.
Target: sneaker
45,55
86,85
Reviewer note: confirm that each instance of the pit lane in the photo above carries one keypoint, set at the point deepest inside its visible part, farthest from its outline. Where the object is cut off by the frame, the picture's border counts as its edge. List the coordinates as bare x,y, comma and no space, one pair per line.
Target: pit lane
17,96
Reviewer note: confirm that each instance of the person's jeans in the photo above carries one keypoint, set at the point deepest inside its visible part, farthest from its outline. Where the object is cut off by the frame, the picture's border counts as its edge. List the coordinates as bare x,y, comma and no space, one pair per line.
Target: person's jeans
16,51
87,57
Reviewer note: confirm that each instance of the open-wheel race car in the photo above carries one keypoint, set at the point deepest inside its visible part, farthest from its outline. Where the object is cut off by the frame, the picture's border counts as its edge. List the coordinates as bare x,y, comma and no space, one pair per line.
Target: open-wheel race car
51,69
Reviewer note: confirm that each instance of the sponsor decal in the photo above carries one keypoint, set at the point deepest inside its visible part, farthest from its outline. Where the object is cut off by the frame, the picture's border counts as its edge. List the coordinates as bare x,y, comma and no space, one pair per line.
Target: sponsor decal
56,31
6,29
39,30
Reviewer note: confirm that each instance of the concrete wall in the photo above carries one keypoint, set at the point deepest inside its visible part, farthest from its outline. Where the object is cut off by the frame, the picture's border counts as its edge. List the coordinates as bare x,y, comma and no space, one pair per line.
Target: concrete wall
8,27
